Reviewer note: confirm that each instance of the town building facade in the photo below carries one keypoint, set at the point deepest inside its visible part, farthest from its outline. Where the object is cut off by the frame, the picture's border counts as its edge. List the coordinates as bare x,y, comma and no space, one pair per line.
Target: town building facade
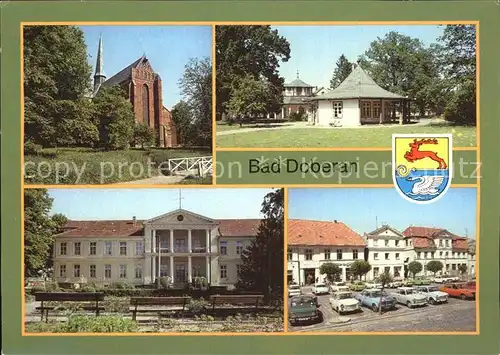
143,87
313,243
180,245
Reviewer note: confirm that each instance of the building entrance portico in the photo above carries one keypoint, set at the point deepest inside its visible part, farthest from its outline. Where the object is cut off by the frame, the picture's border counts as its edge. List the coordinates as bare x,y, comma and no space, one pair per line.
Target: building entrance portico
181,245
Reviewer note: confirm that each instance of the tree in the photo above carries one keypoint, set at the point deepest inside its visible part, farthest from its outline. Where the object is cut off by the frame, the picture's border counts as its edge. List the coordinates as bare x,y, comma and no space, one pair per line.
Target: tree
385,278
434,266
183,119
249,50
360,268
457,52
463,269
414,268
115,116
341,72
56,81
248,98
262,261
401,64
144,135
332,271
196,87
39,230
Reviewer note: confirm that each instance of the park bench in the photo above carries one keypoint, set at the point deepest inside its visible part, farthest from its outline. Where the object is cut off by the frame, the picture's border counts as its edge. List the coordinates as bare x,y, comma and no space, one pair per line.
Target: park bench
136,302
92,299
228,302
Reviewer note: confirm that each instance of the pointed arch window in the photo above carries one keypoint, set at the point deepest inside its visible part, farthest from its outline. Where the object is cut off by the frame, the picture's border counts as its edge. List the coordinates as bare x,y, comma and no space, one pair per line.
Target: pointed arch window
145,104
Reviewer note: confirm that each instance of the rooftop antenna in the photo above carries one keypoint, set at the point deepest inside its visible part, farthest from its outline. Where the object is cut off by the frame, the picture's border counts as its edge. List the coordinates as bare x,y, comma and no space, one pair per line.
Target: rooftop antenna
376,222
297,74
180,198
466,233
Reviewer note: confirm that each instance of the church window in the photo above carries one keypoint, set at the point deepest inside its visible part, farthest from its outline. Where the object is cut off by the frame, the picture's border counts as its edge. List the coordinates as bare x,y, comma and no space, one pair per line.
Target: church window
145,104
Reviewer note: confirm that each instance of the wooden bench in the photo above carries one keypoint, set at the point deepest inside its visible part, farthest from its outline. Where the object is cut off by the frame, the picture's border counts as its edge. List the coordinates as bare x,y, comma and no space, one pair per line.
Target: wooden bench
135,302
89,297
245,300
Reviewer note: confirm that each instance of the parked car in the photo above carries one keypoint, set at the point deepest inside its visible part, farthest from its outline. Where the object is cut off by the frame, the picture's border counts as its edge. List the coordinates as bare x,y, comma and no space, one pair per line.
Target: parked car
371,298
343,302
470,284
408,283
373,284
409,297
357,286
440,279
434,296
320,289
458,290
422,281
304,308
294,290
339,286
395,283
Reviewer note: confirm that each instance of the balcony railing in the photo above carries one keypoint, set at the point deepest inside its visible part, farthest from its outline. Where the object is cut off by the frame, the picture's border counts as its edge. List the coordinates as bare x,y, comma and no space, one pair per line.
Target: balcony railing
194,250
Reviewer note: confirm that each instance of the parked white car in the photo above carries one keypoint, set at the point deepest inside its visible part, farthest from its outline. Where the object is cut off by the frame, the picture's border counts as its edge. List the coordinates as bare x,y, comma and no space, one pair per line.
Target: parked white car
343,302
320,289
434,296
370,285
409,297
440,279
395,284
339,286
294,290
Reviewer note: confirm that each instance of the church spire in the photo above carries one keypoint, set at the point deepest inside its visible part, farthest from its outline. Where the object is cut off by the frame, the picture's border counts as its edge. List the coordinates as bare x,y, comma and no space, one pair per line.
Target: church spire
99,76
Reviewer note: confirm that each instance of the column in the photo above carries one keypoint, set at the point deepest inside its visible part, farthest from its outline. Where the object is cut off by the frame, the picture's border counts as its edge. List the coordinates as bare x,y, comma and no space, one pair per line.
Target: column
153,247
190,240
190,269
207,246
344,273
282,112
171,249
172,269
153,271
207,271
148,276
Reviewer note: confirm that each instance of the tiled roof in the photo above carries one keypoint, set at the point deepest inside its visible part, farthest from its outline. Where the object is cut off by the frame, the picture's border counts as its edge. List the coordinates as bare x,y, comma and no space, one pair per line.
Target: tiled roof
103,228
460,244
358,85
423,237
123,75
306,232
127,228
238,227
427,232
423,242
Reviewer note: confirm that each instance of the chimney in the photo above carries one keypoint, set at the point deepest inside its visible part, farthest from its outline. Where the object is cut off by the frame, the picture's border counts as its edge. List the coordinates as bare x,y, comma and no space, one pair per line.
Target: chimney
134,220
335,221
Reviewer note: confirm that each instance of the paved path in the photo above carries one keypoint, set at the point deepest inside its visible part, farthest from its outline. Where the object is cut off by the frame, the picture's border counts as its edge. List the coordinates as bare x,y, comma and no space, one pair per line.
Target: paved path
158,180
302,125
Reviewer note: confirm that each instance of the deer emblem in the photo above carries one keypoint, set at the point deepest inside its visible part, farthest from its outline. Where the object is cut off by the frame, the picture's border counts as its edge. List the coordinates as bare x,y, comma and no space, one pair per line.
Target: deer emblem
415,153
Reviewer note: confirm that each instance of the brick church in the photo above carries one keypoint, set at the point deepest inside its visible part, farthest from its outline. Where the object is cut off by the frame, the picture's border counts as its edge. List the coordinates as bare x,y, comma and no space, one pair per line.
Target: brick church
144,90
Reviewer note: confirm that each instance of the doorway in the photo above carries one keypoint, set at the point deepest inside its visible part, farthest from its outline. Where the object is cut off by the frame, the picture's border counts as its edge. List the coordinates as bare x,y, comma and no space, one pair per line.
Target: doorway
180,273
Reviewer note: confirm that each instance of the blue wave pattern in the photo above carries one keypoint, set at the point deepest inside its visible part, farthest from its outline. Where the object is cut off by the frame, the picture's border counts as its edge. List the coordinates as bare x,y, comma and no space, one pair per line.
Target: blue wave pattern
405,184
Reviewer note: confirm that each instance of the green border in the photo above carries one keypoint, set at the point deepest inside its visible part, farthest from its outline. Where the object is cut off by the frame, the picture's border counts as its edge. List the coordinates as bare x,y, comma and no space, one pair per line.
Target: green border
13,12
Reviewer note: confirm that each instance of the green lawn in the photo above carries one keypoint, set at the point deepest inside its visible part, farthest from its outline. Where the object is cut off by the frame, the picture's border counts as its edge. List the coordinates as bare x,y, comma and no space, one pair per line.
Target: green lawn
88,166
339,137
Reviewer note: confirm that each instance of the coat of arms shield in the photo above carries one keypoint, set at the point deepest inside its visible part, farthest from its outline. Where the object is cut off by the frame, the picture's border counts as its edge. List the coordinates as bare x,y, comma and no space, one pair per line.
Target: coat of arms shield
422,166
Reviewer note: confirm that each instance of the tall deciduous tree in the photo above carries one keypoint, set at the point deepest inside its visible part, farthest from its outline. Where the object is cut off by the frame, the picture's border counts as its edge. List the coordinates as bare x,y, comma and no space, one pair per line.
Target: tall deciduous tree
414,268
144,135
384,279
39,230
184,123
263,262
196,86
403,65
56,80
249,50
115,117
434,266
457,55
331,270
248,98
360,267
342,70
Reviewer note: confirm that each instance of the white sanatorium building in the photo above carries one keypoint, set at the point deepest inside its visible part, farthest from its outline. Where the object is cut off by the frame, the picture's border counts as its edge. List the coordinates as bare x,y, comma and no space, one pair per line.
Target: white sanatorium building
179,244
313,243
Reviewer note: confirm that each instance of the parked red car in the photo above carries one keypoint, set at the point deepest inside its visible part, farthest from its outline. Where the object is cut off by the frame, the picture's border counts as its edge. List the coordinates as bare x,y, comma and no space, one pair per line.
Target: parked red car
470,284
459,290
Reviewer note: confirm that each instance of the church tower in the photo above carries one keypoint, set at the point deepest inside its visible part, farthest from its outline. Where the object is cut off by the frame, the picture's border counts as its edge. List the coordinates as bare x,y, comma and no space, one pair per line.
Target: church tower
99,76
